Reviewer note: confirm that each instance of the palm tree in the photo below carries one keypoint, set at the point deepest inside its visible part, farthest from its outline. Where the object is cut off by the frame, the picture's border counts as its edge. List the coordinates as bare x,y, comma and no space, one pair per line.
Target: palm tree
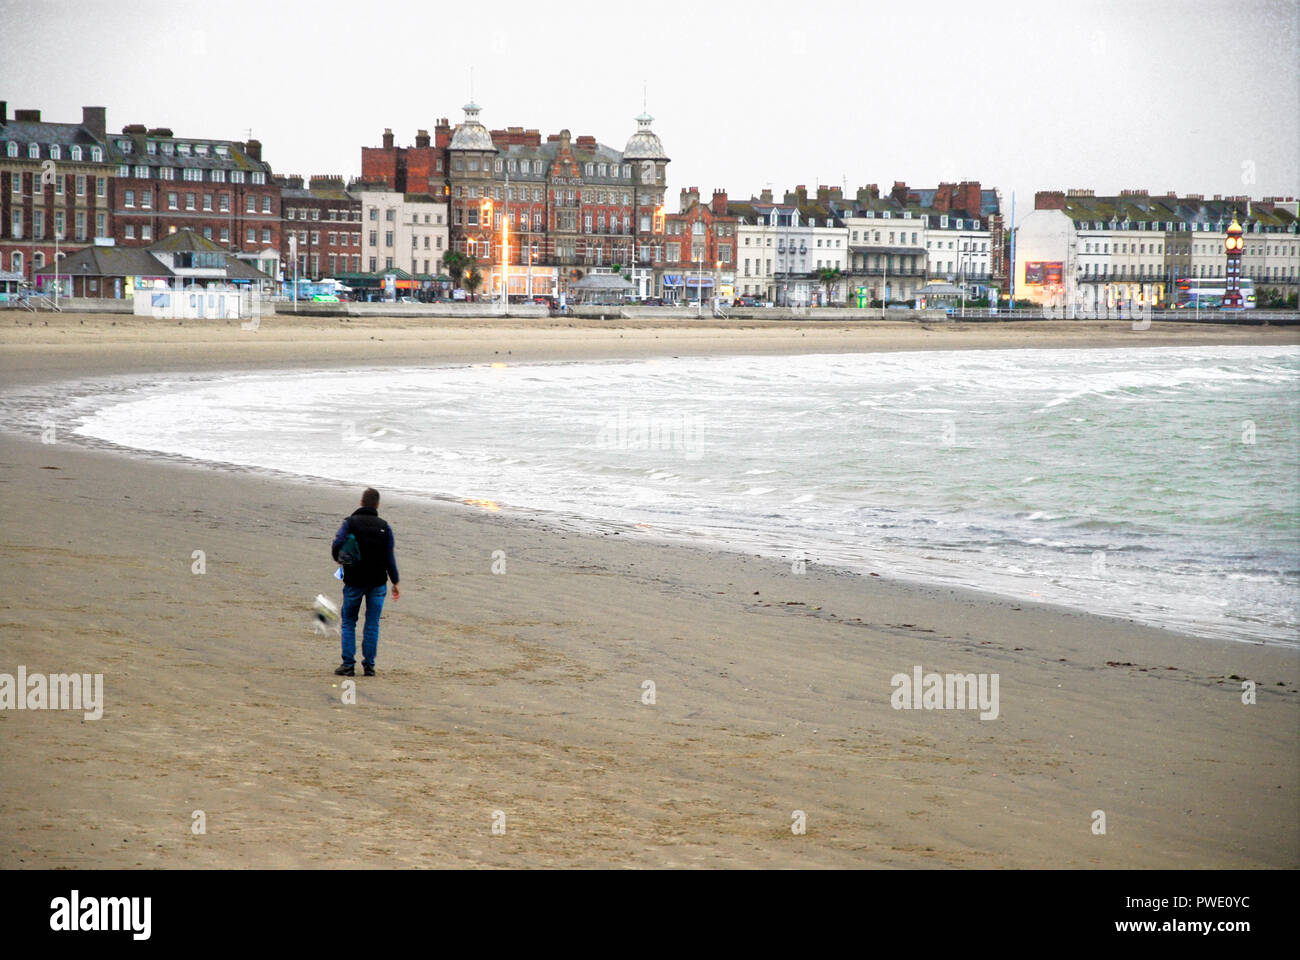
828,277
455,264
474,280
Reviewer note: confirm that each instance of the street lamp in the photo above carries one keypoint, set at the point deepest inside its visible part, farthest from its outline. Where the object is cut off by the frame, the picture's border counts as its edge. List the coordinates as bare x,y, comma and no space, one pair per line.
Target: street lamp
293,255
699,285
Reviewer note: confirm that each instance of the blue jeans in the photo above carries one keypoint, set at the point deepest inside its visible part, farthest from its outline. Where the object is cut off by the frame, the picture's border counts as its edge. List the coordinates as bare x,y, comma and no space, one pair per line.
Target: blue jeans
370,634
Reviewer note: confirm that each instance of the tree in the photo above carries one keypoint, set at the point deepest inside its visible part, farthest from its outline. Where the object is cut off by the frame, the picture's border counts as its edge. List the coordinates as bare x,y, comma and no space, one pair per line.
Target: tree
474,280
828,277
455,264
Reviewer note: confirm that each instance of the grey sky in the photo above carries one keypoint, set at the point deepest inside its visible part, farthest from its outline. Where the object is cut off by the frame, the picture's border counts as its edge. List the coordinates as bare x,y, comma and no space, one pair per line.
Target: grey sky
1186,95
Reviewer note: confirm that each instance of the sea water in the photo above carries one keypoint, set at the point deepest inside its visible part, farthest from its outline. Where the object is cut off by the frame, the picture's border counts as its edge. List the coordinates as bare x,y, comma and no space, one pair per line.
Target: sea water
1158,484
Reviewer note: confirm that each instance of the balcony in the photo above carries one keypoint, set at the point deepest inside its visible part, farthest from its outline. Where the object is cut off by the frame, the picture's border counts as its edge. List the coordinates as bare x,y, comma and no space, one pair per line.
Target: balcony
882,272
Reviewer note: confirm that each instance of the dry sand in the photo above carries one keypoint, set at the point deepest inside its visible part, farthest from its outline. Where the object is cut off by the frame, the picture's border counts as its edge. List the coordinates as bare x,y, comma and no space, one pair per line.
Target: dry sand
521,692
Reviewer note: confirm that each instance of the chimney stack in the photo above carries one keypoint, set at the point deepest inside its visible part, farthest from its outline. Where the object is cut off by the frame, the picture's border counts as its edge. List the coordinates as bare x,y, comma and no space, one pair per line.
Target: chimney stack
766,195
4,112
254,150
27,116
95,120
719,203
421,138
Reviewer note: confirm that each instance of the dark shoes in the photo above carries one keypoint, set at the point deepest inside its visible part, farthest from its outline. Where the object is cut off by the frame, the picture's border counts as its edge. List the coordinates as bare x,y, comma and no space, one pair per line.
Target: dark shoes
346,671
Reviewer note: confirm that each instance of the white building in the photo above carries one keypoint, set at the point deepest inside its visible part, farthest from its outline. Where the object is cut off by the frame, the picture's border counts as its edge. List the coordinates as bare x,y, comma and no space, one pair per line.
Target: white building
1131,249
407,231
782,246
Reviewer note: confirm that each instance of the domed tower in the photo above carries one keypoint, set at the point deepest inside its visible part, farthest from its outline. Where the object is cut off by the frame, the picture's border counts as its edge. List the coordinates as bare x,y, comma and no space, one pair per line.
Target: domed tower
645,152
472,158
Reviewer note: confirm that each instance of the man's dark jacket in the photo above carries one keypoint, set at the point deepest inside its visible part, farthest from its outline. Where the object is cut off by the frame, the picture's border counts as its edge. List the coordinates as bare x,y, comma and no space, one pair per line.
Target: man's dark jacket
375,538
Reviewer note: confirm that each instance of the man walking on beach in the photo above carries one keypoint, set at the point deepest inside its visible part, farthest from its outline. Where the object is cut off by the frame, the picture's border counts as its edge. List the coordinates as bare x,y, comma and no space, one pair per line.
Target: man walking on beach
365,578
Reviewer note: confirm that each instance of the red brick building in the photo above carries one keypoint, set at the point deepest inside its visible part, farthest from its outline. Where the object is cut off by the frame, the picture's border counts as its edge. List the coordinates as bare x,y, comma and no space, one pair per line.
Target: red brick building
417,169
220,189
326,220
571,204
699,248
74,206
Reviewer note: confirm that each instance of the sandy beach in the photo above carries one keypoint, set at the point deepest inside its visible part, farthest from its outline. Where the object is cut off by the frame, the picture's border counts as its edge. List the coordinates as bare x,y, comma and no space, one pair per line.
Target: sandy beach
522,693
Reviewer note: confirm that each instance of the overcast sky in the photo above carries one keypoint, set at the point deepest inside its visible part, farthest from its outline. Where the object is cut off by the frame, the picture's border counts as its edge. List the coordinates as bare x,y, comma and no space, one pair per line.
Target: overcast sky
1188,95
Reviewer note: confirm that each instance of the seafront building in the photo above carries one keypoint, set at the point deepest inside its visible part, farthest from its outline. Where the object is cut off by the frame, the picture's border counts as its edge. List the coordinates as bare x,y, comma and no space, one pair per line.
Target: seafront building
537,215
698,262
785,245
1101,252
402,234
221,189
323,221
70,204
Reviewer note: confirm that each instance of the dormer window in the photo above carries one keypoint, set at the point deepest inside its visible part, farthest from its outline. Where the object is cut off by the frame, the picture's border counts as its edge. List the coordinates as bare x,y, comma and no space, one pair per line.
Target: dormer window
168,148
591,169
33,151
183,149
12,149
201,149
55,152
76,153
151,147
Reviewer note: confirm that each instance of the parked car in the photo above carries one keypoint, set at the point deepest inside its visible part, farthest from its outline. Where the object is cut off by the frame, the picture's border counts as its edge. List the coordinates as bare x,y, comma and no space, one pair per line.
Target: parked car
746,302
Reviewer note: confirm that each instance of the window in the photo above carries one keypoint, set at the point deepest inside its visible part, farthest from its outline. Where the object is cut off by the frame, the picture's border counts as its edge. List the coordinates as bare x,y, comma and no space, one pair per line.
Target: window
128,198
388,238
146,232
189,201
250,204
129,231
97,154
207,202
250,236
81,184
166,173
223,203
266,234
99,225
33,152
225,234
236,176
146,199
259,178
12,149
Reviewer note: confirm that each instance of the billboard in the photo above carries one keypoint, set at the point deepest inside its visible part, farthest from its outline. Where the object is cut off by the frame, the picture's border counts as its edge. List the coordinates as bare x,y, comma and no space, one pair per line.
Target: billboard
1043,273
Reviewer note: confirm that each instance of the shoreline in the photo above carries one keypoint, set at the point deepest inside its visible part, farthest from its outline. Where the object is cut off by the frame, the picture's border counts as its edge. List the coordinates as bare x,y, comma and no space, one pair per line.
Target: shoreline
523,691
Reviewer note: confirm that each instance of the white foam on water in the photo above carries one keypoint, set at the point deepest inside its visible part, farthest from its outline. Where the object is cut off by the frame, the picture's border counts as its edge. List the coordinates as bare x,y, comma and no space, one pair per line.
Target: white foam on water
907,464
